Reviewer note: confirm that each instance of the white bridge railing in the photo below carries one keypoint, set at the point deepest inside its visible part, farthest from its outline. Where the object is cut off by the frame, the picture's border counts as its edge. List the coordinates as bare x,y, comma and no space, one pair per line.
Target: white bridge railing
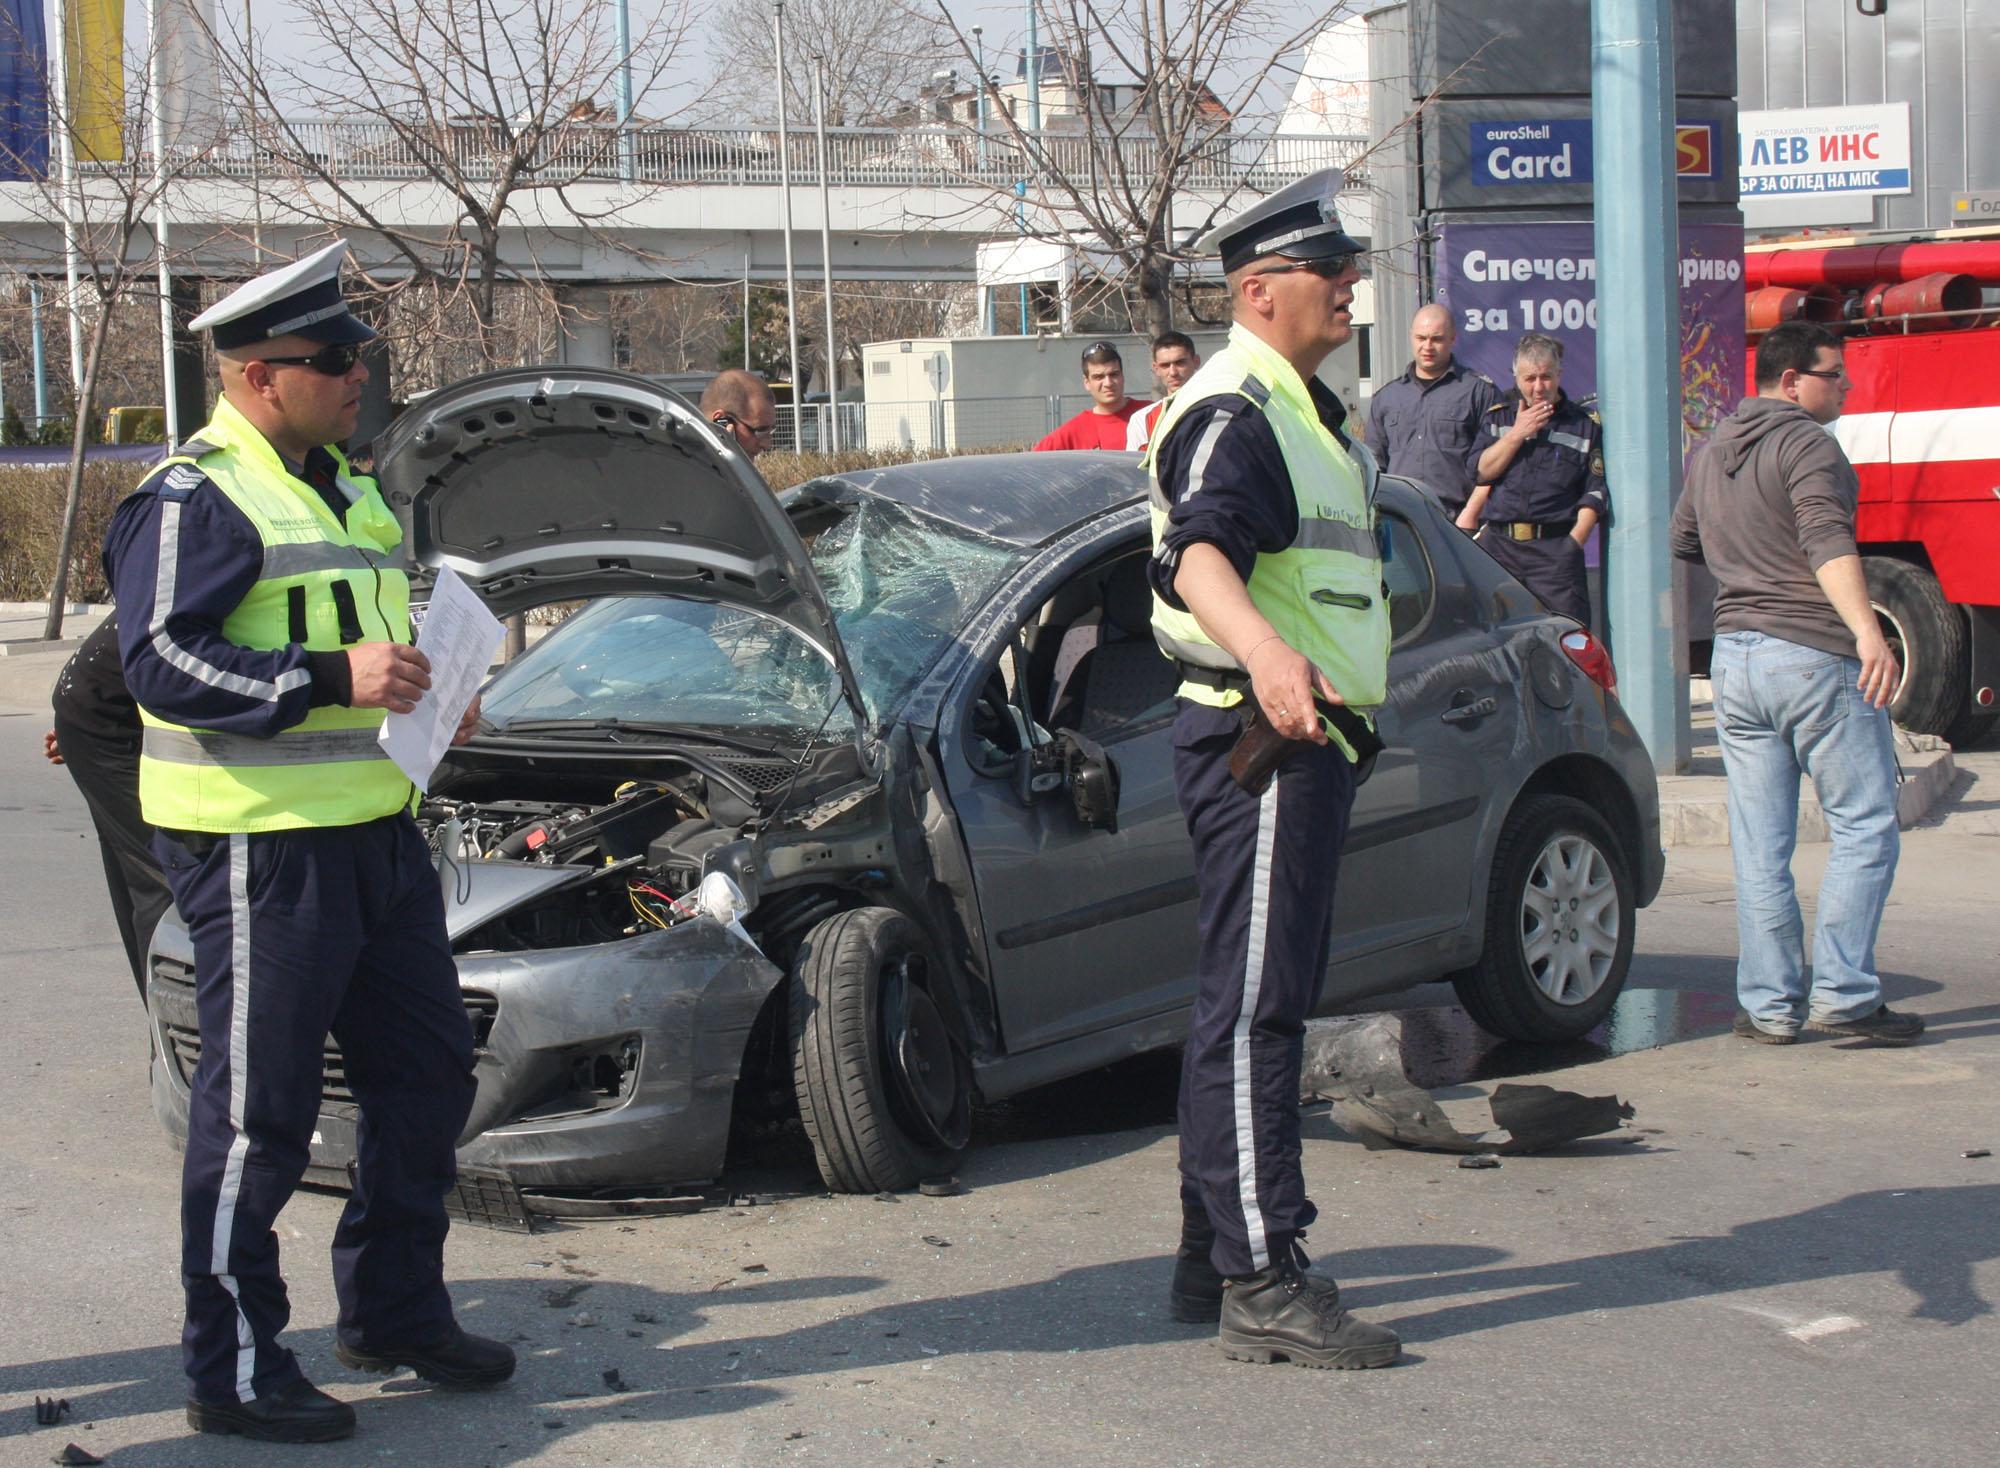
936,156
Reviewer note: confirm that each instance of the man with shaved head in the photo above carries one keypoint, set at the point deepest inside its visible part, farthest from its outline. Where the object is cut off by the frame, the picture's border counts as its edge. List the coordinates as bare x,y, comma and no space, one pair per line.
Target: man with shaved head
742,403
1421,424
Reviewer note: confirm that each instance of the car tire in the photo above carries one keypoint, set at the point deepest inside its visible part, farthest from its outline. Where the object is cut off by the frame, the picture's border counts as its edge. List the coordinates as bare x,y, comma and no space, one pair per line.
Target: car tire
885,1102
1928,636
1535,981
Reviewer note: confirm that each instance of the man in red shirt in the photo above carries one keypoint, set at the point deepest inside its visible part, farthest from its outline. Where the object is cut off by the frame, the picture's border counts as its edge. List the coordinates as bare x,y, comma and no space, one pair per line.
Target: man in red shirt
1102,424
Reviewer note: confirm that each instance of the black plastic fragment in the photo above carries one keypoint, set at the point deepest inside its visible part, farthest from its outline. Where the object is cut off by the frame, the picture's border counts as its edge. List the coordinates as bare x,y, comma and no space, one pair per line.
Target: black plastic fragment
613,1381
1537,1117
49,1410
1977,1152
939,1187
74,1454
1478,1160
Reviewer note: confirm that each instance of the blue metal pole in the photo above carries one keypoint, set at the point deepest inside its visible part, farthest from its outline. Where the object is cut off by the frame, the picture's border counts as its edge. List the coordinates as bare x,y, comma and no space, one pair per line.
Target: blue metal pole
41,355
1638,358
628,163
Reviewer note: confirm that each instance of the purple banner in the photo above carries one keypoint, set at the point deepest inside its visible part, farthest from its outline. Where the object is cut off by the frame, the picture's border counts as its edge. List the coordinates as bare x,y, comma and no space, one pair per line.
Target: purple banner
1500,280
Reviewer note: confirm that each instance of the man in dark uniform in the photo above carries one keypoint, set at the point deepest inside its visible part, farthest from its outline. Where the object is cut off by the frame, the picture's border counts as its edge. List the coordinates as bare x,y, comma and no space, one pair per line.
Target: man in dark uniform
264,628
96,735
1539,462
1267,582
1421,424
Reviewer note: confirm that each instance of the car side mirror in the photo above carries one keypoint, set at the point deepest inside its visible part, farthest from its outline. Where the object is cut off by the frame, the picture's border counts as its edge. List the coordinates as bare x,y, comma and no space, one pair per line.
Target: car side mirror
1092,778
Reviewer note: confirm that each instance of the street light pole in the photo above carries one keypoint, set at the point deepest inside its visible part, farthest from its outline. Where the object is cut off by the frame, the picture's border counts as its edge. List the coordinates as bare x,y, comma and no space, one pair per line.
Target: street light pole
826,257
628,163
1034,74
785,188
979,45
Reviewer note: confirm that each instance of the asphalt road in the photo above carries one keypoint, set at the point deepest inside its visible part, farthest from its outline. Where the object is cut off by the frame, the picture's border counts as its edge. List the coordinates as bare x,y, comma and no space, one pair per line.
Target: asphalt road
1788,1261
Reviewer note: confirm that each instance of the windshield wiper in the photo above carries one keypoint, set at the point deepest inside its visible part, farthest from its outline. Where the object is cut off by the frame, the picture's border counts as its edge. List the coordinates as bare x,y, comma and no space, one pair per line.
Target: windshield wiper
687,732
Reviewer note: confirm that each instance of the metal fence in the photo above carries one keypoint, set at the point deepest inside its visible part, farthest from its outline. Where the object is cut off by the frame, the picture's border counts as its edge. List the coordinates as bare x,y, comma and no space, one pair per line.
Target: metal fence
933,425
936,156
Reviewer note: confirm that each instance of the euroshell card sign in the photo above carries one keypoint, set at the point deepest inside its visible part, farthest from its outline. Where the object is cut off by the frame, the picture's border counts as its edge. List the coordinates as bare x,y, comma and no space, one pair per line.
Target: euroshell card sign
1814,151
1558,150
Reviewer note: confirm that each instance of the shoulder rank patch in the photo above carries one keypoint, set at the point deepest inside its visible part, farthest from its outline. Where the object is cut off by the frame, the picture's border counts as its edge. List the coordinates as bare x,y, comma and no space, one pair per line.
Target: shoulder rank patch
1597,466
1482,377
180,481
1499,406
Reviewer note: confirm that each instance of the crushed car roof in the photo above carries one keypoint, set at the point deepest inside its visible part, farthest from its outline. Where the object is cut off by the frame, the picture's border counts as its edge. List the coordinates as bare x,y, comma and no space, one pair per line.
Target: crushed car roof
1024,499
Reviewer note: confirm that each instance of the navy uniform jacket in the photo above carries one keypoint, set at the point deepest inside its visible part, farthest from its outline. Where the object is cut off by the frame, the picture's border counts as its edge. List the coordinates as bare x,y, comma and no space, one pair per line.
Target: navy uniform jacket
180,557
1421,430
1557,472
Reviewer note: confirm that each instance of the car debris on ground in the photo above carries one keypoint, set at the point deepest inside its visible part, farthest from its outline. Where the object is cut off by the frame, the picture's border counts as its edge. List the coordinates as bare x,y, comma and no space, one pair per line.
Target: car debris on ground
1357,1065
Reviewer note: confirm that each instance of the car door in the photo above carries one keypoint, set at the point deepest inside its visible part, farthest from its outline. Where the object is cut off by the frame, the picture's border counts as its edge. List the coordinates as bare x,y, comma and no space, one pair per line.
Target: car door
1406,873
1086,928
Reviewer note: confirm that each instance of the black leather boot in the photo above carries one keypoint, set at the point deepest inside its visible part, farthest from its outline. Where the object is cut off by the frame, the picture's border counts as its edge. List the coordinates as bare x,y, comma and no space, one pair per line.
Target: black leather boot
1285,1314
459,1361
1196,1295
299,1413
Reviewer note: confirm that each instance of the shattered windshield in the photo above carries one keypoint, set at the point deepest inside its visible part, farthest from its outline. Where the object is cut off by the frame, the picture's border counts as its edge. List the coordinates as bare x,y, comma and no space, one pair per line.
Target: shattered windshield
900,585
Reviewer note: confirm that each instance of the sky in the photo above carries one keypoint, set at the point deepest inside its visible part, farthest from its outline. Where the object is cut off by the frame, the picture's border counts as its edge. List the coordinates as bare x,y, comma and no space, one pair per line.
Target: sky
280,35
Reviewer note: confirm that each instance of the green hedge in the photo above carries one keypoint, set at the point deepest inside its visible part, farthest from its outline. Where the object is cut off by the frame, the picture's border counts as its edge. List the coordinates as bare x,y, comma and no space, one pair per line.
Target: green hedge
31,503
31,514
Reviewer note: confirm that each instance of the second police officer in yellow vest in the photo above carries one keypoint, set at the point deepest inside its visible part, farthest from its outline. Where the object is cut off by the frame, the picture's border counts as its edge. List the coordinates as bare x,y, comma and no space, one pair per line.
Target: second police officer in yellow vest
1268,591
264,630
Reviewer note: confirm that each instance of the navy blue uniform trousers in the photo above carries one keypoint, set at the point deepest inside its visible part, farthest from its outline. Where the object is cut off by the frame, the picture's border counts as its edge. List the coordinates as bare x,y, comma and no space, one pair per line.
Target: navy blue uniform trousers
1265,867
1552,569
298,934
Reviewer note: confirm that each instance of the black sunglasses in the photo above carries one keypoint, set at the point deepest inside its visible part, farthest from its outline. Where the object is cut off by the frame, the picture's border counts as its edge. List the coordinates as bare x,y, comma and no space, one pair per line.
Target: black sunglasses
333,361
1331,268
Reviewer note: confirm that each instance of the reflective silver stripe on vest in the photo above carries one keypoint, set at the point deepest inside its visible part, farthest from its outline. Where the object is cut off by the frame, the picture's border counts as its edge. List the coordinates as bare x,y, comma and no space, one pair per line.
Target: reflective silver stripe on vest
304,558
311,747
1571,441
1338,535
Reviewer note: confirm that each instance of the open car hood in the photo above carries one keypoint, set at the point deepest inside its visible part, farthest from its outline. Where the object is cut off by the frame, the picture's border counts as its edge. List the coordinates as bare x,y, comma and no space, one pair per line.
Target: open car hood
543,484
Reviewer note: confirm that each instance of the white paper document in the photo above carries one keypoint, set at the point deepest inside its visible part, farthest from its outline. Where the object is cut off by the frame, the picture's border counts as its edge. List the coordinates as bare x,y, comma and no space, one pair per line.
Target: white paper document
460,637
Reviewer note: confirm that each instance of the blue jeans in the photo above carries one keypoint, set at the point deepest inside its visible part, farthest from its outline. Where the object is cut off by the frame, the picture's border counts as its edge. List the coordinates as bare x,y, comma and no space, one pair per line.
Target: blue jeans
1781,708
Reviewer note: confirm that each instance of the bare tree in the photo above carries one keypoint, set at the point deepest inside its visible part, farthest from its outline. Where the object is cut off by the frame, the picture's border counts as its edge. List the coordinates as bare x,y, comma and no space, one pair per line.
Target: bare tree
879,310
876,54
105,208
676,328
1144,107
490,101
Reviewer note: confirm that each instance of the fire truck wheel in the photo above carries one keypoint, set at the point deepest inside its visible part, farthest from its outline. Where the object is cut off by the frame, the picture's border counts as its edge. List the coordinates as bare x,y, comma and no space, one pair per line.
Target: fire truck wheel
1927,634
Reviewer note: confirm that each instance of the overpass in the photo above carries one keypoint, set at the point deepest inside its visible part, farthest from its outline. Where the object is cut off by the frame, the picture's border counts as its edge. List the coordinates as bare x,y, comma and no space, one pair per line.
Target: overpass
653,205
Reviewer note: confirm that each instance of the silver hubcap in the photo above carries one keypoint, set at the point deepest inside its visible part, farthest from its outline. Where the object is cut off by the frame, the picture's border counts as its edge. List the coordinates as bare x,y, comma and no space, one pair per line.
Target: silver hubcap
1569,920
1899,644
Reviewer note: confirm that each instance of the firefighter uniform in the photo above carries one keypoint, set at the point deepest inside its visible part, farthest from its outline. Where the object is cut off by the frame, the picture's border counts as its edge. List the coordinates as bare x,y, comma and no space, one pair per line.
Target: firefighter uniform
1532,507
1254,461
307,889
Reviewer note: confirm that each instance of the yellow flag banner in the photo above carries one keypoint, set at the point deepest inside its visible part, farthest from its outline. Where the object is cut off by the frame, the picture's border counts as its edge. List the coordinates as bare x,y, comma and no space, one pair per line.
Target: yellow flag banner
94,62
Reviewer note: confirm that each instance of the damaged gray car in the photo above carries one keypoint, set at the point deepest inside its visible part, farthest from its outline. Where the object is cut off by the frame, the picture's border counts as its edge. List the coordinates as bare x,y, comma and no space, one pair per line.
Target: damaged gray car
860,802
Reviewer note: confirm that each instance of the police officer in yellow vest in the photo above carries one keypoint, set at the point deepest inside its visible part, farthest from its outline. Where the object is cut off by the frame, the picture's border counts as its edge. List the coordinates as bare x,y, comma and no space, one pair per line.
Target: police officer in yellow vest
1268,591
264,628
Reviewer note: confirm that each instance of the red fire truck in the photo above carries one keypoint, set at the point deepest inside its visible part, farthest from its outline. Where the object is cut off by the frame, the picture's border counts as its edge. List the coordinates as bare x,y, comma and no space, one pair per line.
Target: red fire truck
1922,427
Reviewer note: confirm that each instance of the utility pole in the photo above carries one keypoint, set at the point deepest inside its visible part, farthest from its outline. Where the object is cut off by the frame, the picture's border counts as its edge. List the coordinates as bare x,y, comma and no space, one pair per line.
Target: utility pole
785,188
1632,95
826,259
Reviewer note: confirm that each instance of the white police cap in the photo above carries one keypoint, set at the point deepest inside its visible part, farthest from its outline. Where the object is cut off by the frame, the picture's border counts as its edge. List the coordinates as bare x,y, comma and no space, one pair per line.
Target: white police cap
1300,222
300,299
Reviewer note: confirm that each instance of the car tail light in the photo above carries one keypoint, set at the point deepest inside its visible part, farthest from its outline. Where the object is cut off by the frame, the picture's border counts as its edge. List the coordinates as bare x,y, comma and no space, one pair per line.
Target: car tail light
1591,655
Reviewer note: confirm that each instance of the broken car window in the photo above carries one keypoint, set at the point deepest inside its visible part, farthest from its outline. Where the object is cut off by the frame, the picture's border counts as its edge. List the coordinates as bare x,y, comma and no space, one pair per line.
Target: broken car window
900,586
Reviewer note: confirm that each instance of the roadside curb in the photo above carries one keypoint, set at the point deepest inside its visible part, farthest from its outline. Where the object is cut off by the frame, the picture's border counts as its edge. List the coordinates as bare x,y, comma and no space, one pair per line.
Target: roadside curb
1694,809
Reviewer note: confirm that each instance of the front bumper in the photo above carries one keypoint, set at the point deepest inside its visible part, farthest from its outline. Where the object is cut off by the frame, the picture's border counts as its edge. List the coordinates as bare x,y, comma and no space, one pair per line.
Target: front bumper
605,1067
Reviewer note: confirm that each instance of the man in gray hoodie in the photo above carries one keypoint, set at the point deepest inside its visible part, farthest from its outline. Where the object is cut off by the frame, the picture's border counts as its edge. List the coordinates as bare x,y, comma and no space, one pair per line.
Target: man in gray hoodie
1803,679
